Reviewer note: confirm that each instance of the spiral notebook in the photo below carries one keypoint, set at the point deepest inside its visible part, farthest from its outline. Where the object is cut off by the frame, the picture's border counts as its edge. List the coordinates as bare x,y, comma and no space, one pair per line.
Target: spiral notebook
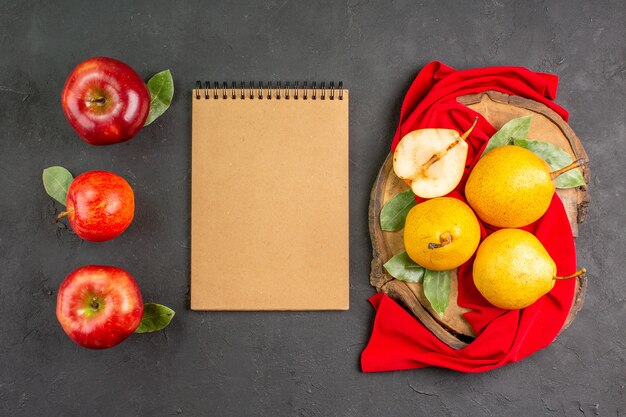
269,199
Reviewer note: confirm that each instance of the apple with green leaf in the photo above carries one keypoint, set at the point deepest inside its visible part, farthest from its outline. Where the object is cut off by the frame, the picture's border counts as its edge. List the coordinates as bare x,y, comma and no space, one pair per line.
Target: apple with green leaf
100,306
100,205
106,101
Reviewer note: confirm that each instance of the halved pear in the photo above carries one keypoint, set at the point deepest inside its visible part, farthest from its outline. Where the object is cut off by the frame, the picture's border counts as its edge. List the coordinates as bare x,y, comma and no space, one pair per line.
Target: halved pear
431,161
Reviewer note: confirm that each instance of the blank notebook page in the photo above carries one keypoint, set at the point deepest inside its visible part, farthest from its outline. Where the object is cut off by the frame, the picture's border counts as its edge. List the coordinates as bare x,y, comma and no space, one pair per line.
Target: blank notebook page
269,203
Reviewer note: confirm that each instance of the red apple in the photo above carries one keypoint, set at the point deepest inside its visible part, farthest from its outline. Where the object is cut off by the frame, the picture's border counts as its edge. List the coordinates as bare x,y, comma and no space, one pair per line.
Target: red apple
99,306
105,101
99,205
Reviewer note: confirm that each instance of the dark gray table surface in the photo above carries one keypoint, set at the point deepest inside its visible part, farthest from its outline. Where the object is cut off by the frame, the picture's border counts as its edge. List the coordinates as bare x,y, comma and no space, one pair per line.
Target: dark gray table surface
285,364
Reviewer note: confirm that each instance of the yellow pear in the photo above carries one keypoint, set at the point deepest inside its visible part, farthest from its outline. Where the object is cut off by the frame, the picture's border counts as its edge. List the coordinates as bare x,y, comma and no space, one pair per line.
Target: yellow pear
512,269
441,234
511,186
431,161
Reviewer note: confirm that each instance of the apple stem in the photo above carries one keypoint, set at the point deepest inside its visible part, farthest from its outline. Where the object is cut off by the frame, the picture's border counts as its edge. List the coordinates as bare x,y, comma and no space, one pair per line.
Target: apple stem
94,303
468,131
578,273
576,164
436,157
99,100
60,216
444,239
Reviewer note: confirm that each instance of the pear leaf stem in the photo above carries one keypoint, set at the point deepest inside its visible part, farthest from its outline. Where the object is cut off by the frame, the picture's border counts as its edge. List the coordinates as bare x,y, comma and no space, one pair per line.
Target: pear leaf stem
576,164
578,273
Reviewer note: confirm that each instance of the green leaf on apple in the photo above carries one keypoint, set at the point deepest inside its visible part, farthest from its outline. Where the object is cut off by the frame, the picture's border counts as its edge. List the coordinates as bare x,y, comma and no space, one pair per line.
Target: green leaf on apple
56,181
161,88
155,317
513,129
557,158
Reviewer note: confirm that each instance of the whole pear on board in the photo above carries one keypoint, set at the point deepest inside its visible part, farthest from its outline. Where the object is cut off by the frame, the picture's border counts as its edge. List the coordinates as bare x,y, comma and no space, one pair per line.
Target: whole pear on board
431,161
441,234
512,269
511,186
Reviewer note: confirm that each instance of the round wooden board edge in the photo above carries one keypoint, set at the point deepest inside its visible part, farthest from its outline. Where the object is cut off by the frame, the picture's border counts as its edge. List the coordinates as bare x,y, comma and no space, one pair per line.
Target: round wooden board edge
399,291
384,282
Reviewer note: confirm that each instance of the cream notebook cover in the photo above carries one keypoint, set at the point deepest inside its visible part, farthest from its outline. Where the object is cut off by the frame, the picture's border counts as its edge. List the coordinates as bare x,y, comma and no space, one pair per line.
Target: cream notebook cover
269,198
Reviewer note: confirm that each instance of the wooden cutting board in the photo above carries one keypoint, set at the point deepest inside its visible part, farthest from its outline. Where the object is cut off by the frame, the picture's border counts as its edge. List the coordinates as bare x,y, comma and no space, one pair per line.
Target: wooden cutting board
497,108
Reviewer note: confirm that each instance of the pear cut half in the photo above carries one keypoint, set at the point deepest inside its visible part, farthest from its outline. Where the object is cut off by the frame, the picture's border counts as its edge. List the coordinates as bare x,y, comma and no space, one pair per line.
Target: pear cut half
431,161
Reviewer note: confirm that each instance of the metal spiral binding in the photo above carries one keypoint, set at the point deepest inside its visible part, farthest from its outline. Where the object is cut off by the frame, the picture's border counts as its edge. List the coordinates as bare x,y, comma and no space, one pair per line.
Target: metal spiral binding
268,91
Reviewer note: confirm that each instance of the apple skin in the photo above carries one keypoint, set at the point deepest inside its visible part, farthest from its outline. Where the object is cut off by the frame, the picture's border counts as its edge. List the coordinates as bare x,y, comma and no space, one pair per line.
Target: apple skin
105,101
100,205
99,306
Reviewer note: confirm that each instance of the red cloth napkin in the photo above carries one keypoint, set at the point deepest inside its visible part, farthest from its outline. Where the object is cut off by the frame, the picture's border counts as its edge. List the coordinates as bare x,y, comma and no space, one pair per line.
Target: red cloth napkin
399,340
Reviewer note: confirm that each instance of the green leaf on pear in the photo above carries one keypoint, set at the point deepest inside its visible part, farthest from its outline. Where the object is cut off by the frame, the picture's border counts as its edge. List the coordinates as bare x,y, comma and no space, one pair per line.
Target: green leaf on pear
401,267
437,289
557,158
161,88
393,214
155,317
56,181
513,129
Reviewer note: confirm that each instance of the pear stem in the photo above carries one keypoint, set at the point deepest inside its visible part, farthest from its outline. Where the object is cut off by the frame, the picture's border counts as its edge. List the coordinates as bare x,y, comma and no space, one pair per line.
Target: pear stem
436,157
468,131
576,164
444,239
578,273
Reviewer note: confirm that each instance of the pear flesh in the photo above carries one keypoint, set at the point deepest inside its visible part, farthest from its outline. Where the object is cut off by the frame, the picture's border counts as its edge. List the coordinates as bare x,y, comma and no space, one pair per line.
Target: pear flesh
431,161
